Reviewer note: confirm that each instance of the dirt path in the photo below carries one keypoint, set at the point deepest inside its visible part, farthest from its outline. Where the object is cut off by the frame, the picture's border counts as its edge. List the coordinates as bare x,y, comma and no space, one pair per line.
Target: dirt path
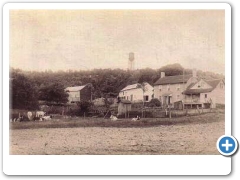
177,139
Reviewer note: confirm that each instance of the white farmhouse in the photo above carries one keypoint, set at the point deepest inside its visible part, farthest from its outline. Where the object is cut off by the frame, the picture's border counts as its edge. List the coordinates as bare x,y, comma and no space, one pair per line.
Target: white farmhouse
137,92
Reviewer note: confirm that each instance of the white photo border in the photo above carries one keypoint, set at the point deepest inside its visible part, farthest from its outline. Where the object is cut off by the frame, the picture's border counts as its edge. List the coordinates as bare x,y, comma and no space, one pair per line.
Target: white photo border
115,164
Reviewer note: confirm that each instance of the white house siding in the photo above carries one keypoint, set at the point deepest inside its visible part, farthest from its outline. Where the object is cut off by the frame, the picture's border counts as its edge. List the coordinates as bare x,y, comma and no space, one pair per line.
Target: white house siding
175,90
136,94
148,91
217,96
201,85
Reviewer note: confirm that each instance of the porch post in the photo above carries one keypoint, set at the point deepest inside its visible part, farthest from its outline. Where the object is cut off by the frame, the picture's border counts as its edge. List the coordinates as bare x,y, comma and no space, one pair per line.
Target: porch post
191,101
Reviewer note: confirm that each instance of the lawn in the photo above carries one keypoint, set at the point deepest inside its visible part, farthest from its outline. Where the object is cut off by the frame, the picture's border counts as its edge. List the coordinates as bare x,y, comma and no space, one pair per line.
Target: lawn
123,123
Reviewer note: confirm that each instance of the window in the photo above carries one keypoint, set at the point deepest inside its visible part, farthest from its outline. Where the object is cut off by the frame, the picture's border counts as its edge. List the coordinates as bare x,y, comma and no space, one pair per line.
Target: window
205,95
178,97
160,88
178,87
131,97
145,98
123,92
168,87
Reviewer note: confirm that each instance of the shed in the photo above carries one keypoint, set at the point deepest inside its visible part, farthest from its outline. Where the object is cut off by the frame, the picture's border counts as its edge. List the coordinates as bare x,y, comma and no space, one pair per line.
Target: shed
124,107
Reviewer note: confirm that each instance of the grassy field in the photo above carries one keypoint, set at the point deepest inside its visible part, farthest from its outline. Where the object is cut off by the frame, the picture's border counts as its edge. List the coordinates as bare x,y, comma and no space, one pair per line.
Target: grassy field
123,123
176,136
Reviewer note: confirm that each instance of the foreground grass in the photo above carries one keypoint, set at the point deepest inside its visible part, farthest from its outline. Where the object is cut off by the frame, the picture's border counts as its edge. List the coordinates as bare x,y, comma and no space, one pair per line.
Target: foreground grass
123,123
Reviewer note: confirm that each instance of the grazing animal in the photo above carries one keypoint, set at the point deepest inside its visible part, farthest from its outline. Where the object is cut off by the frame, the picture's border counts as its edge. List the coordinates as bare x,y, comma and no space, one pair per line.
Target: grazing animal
136,118
113,118
30,115
40,114
46,118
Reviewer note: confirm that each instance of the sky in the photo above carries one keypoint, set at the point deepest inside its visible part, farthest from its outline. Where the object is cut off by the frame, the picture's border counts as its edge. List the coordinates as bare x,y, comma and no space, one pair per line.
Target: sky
87,39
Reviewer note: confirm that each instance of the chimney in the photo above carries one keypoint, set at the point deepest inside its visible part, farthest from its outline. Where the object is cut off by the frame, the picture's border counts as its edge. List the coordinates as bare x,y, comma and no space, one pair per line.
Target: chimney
194,72
162,74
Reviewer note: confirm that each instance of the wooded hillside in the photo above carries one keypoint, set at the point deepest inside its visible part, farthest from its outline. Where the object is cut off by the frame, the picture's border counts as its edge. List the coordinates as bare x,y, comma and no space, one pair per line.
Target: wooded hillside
106,82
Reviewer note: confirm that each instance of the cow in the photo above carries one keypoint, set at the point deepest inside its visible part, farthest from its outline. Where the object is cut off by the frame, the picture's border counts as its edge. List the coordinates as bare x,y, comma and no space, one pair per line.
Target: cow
40,114
30,115
136,118
46,118
113,118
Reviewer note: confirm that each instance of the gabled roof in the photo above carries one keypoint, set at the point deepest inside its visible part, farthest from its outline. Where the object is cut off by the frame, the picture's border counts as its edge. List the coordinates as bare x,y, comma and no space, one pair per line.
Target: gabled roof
132,86
136,86
173,79
212,83
75,88
197,91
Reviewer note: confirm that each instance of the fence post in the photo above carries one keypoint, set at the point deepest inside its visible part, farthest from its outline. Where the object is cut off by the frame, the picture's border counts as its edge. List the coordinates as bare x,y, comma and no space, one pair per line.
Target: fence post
170,113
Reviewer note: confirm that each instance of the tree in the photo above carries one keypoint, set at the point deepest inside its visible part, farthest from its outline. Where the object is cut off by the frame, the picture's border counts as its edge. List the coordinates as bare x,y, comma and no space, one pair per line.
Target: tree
84,106
53,93
23,93
154,103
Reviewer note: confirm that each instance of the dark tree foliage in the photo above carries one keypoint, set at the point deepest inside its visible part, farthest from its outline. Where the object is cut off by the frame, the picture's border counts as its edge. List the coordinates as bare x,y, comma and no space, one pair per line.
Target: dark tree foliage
154,103
53,93
106,82
23,92
84,106
172,70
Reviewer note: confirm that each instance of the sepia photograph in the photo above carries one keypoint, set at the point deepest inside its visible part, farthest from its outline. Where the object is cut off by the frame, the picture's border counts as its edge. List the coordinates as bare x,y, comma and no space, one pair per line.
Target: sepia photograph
116,81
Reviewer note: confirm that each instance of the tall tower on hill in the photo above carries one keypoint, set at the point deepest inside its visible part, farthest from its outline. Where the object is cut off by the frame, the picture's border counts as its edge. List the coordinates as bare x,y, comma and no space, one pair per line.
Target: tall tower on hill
131,62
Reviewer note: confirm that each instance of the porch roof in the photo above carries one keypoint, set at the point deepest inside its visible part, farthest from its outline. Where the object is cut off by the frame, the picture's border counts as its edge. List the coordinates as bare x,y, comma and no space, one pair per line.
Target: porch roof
197,91
167,94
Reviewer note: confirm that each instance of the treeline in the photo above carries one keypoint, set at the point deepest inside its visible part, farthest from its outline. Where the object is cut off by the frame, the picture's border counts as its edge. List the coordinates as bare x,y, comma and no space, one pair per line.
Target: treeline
49,85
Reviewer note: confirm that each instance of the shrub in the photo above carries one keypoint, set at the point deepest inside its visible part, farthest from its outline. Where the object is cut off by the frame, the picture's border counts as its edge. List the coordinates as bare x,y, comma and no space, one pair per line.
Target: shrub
154,103
84,107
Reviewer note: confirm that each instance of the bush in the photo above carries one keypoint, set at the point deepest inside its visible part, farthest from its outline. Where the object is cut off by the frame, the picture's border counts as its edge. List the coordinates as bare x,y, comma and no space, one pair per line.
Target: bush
154,103
84,107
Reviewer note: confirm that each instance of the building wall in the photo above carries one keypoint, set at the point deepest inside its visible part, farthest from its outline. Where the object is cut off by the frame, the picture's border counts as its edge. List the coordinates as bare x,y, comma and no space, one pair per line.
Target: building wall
217,96
201,85
85,93
175,89
124,108
73,96
219,93
135,95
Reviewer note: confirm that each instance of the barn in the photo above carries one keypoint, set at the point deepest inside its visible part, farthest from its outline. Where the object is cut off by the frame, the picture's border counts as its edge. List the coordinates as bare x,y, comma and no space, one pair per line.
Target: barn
79,93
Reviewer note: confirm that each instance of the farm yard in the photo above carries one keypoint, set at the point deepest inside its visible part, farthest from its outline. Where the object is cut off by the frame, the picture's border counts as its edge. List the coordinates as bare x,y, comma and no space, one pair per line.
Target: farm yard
196,134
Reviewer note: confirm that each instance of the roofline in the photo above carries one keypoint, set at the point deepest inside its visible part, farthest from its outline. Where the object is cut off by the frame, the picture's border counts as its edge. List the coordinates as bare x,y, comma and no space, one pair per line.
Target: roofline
191,75
130,89
171,83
